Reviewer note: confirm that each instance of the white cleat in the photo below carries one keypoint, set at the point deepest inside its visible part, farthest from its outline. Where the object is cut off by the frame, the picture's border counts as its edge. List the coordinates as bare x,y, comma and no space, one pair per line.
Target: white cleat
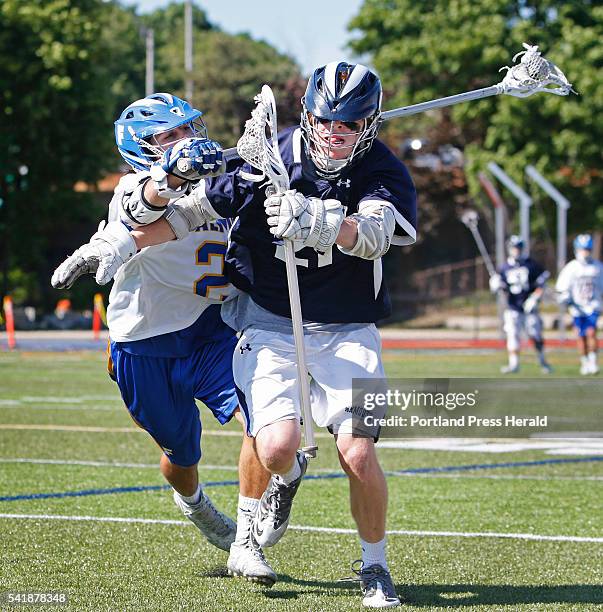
584,369
509,369
546,368
247,560
219,529
376,584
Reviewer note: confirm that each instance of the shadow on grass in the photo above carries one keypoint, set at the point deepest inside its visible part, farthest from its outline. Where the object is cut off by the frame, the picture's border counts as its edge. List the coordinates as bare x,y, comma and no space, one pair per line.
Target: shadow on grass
432,595
452,596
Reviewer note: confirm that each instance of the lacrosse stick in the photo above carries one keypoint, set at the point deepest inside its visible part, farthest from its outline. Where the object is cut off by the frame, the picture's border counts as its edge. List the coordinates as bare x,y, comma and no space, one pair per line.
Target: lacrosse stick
533,74
258,146
470,219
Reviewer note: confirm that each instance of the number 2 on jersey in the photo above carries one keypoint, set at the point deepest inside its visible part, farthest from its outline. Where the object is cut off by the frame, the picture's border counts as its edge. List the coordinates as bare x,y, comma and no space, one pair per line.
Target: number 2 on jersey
212,283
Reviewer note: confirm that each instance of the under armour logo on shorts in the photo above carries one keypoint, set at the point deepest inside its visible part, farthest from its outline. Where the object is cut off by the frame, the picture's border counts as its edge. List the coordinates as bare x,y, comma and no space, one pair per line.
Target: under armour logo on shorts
247,347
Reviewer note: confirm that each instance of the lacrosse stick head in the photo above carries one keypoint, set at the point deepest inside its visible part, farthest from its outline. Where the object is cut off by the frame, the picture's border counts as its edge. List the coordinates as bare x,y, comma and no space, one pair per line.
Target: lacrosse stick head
258,145
533,74
470,218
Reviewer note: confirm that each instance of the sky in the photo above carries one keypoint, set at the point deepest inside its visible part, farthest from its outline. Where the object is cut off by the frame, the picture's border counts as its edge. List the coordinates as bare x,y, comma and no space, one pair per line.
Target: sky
313,32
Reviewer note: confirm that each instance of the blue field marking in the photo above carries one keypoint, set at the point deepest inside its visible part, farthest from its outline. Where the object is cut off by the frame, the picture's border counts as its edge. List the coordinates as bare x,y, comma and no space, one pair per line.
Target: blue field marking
225,483
489,466
87,492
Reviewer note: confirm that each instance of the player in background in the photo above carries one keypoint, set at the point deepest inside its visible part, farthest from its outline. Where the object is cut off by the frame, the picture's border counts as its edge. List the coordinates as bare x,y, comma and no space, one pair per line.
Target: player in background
580,287
169,344
350,199
522,280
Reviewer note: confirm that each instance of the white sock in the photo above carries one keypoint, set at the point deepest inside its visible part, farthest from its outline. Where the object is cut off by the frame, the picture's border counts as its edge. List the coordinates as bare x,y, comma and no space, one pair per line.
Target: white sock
245,514
592,358
293,474
373,553
195,498
584,360
513,360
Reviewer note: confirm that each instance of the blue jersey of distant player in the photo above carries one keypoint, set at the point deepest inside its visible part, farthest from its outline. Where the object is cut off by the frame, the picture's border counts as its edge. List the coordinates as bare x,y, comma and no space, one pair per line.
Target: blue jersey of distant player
334,287
520,277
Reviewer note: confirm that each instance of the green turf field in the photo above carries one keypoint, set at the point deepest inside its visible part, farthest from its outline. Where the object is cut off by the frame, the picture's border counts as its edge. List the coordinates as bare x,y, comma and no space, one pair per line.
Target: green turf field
475,534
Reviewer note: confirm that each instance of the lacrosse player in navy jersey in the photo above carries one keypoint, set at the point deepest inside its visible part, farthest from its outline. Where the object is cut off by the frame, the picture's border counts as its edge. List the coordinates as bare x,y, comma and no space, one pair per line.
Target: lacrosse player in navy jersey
522,280
169,345
580,288
350,200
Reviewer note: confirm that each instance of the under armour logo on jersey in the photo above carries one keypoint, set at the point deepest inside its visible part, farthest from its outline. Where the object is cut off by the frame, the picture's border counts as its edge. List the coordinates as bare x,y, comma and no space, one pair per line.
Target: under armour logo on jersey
247,347
342,183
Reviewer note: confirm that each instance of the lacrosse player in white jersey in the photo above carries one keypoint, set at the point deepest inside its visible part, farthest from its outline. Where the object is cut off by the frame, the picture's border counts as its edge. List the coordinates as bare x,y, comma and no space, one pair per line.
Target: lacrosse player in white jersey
169,345
580,287
335,165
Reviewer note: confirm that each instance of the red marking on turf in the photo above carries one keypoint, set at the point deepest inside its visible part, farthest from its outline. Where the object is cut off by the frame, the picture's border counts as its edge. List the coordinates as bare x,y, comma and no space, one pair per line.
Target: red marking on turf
450,344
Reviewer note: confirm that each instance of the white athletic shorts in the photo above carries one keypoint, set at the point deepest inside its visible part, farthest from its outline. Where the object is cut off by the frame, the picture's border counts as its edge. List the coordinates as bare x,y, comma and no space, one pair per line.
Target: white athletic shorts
265,372
515,321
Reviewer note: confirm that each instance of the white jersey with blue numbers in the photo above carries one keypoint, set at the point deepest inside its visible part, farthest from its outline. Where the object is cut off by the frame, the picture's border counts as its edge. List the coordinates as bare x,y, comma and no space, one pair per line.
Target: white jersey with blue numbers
582,282
335,287
166,288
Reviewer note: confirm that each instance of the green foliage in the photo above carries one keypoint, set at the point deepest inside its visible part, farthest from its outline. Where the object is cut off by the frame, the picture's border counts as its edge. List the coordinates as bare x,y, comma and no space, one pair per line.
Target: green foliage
67,69
436,48
228,72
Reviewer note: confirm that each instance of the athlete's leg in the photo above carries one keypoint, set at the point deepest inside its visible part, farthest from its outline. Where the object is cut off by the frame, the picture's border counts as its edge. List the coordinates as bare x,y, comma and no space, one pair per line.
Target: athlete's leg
368,489
184,479
368,501
253,476
592,346
582,343
512,326
246,557
534,329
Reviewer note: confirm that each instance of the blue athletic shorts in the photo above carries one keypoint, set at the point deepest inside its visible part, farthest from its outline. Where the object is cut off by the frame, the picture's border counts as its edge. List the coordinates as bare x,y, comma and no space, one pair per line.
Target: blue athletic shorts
160,393
582,323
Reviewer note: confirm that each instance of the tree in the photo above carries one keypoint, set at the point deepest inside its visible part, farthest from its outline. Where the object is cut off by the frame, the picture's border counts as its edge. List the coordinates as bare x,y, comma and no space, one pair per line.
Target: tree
229,71
56,110
436,48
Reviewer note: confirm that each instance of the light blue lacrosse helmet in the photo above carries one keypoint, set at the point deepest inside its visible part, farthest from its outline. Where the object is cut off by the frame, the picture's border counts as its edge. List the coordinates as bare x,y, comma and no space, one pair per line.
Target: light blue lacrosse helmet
147,117
583,241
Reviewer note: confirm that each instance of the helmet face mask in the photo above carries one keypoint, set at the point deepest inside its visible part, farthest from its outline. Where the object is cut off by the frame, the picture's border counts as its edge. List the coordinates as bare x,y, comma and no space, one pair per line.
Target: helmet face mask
141,122
583,247
155,145
340,116
514,247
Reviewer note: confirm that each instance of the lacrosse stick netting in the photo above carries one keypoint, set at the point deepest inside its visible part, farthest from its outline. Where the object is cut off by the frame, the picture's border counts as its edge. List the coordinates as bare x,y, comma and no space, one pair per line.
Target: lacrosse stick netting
470,218
533,74
258,146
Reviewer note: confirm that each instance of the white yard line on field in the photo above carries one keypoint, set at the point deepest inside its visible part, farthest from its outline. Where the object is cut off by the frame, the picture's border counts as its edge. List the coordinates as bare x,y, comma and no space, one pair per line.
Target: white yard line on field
91,429
336,530
109,464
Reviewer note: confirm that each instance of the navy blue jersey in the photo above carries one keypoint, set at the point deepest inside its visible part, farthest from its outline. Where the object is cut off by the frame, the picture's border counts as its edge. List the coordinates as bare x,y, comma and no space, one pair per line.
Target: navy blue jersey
520,278
334,287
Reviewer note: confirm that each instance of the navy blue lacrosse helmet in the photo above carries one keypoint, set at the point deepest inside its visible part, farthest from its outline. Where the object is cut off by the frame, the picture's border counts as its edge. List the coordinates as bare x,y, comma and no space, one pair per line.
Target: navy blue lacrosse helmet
340,93
142,120
515,242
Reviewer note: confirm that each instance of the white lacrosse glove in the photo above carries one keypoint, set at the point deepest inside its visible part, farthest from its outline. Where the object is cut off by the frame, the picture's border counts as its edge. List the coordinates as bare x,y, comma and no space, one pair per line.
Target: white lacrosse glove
313,222
495,283
109,248
187,213
531,304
